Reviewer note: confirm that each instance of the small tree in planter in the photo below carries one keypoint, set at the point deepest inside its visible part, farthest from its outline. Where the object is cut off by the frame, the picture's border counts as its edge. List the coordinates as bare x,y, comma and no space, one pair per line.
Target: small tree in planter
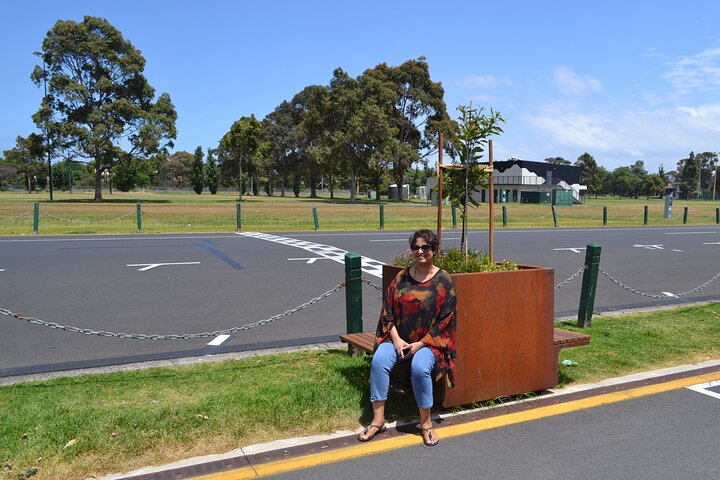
475,129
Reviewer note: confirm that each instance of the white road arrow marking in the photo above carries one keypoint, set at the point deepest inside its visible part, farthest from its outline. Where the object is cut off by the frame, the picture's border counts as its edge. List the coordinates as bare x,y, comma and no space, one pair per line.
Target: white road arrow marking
310,260
572,249
149,266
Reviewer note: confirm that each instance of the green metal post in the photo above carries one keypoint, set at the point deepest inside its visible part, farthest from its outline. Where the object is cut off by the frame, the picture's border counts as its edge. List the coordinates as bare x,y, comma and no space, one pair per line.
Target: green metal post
645,216
238,216
353,294
454,216
685,212
554,216
317,220
382,216
717,215
504,216
589,285
138,216
604,214
36,218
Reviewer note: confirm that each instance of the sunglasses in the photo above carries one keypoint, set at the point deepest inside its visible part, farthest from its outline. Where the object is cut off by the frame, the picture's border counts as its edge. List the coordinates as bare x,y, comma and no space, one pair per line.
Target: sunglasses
424,248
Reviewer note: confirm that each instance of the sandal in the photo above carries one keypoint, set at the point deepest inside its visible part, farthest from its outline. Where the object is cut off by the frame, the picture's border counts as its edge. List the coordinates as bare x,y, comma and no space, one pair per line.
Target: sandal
380,429
429,439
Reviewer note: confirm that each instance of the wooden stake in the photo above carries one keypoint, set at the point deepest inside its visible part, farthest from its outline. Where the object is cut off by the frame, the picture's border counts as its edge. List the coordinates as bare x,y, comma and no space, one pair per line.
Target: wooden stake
491,185
440,192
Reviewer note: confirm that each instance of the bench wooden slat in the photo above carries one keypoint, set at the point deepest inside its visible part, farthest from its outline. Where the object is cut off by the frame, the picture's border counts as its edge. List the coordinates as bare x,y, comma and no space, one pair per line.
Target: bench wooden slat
561,339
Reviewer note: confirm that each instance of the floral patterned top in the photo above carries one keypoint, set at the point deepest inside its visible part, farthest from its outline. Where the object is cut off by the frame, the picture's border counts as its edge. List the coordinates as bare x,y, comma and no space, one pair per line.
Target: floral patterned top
423,312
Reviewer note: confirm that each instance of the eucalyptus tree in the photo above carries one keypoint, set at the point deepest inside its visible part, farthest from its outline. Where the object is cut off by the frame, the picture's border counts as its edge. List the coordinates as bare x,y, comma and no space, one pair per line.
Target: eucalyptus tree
310,109
418,113
588,172
241,147
99,105
28,158
278,130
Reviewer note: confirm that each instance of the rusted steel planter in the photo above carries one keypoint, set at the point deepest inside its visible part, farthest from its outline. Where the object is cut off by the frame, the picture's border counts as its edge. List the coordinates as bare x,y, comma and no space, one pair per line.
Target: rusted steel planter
504,334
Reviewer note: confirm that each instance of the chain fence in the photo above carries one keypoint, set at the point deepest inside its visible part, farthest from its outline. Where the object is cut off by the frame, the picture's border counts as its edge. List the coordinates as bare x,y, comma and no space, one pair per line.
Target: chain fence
174,224
81,222
373,285
654,295
185,336
570,278
15,217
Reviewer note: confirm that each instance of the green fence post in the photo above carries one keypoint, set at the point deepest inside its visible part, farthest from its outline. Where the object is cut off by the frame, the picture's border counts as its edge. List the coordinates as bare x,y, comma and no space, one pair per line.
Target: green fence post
504,216
554,216
382,216
685,212
36,217
645,216
604,214
454,216
317,220
353,294
717,215
138,216
589,285
238,216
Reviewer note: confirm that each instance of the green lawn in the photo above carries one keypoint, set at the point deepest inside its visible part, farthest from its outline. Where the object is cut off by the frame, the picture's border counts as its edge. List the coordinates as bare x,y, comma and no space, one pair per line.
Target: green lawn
96,424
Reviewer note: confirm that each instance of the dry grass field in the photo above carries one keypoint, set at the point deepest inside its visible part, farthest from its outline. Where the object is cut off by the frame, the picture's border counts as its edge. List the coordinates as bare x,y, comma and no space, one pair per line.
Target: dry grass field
77,213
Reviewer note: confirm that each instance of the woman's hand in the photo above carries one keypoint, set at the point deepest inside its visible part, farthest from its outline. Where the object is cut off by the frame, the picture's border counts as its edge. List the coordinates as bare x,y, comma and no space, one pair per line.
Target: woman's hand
401,346
411,348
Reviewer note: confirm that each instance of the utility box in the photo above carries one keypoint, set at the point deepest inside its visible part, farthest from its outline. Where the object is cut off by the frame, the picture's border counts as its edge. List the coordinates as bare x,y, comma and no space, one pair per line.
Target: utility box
668,207
562,197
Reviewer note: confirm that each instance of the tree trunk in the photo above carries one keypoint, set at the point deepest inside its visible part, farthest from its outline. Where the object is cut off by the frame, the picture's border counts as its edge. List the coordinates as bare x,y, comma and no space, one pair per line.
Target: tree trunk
353,185
377,188
313,189
98,182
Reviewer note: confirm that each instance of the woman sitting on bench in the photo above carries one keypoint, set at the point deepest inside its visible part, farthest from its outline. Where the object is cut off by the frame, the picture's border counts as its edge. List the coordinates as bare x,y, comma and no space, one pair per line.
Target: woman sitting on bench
417,324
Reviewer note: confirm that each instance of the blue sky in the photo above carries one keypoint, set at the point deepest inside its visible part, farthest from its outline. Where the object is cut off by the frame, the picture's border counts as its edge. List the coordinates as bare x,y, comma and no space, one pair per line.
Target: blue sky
622,80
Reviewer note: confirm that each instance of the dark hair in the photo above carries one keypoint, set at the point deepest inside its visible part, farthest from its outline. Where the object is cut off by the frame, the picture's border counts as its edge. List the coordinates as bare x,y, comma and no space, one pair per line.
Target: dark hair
427,235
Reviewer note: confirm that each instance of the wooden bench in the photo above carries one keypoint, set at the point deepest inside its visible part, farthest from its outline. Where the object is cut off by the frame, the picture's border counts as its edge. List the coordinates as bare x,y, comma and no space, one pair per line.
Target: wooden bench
365,341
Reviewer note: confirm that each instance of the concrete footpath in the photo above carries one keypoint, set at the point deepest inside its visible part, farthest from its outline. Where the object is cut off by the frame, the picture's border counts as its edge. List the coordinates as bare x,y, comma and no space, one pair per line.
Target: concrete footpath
655,425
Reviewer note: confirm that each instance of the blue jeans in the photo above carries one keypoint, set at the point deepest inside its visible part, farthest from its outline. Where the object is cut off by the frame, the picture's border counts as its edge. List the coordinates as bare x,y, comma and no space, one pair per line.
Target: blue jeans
421,367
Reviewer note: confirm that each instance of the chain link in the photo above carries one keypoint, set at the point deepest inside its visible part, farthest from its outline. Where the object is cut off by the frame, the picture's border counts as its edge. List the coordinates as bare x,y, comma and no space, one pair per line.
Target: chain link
186,336
373,285
570,278
653,295
9,219
70,220
221,222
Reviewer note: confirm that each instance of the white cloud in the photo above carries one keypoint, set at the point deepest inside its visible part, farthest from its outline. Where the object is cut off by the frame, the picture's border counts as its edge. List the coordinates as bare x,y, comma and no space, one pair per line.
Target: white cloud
619,138
696,73
571,83
484,81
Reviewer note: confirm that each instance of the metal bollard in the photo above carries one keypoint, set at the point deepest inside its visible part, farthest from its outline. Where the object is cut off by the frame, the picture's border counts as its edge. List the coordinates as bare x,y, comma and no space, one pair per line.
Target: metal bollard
353,294
382,216
554,216
36,217
454,216
589,285
604,214
238,216
645,216
504,216
316,219
138,215
685,215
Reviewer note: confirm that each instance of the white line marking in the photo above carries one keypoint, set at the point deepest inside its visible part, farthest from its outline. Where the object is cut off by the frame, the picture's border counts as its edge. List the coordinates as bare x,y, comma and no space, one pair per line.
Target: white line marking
310,260
702,388
649,247
712,243
676,250
572,249
149,266
669,294
219,340
2,269
368,265
687,233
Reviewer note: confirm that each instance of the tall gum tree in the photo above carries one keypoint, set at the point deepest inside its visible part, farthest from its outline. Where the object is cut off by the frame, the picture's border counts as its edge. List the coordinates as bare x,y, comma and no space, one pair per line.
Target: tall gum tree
99,105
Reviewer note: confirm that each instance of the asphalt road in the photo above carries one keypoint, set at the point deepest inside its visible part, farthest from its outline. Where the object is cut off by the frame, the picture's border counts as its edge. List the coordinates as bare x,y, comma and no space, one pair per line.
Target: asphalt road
176,284
666,436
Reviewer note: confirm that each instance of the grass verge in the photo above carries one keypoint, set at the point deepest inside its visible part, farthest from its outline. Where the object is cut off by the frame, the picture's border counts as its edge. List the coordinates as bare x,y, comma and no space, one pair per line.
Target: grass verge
98,424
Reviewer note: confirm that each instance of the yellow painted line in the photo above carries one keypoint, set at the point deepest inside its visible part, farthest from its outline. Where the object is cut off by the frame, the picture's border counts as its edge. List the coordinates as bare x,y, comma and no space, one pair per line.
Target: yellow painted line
384,445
